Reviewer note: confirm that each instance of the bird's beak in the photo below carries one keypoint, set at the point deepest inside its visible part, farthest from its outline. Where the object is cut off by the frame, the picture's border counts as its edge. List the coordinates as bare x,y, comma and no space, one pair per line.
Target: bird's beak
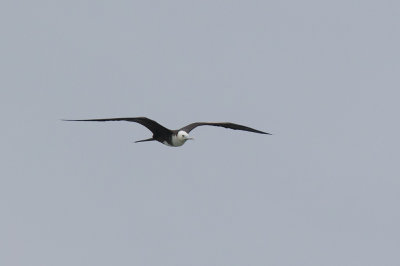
189,138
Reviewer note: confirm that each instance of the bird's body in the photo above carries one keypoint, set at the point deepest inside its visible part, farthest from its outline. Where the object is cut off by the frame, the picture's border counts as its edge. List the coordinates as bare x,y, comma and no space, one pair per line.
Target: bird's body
174,141
173,138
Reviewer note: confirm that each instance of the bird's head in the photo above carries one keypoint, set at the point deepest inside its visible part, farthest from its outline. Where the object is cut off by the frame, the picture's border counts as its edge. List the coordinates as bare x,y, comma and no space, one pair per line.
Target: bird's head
183,136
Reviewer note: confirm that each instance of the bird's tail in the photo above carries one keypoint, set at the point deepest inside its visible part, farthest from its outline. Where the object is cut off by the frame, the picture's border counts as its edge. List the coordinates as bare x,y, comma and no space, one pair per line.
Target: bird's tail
143,140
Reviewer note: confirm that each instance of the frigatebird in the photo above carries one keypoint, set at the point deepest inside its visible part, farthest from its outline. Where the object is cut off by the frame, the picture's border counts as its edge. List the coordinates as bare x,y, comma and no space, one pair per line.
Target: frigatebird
173,138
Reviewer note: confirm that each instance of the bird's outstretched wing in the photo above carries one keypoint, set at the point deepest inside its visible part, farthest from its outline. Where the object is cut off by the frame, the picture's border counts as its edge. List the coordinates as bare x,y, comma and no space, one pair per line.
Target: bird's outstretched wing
192,126
152,125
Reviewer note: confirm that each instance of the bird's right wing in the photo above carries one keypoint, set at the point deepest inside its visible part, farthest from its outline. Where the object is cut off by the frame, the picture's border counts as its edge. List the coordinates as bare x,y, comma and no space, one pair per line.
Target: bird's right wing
230,125
152,125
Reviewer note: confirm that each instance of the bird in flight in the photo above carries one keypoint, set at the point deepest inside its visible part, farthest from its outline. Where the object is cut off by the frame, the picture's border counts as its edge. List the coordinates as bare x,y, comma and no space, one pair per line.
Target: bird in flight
173,138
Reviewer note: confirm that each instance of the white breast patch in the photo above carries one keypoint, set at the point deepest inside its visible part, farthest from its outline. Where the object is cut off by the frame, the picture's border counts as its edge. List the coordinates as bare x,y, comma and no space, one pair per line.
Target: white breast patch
176,142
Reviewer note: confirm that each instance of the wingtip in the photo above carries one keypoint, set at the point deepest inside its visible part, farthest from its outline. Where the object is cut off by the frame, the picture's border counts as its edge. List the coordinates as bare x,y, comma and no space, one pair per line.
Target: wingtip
73,120
265,133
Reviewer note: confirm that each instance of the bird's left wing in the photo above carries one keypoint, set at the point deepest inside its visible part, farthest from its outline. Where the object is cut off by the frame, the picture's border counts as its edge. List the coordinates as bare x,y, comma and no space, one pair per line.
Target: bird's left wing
192,126
152,125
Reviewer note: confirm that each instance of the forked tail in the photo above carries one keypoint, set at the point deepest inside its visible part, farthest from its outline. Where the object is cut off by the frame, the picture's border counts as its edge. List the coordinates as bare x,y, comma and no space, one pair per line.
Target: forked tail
143,140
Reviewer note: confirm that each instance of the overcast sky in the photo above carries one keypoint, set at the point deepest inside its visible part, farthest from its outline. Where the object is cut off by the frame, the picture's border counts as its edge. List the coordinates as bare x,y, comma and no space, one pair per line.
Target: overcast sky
322,76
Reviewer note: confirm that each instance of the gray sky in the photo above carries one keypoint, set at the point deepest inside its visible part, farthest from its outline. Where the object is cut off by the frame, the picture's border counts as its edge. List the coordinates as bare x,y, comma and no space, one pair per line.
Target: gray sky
322,76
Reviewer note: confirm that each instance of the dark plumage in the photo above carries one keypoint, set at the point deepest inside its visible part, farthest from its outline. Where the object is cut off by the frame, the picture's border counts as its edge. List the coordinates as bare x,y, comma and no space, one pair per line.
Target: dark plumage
173,137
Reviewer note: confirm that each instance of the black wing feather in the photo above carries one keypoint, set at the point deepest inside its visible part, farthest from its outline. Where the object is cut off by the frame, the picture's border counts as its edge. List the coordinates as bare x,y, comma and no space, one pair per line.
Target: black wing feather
152,125
192,126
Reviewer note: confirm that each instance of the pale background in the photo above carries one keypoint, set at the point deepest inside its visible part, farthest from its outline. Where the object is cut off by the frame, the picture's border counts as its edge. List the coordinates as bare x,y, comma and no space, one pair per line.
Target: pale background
322,76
